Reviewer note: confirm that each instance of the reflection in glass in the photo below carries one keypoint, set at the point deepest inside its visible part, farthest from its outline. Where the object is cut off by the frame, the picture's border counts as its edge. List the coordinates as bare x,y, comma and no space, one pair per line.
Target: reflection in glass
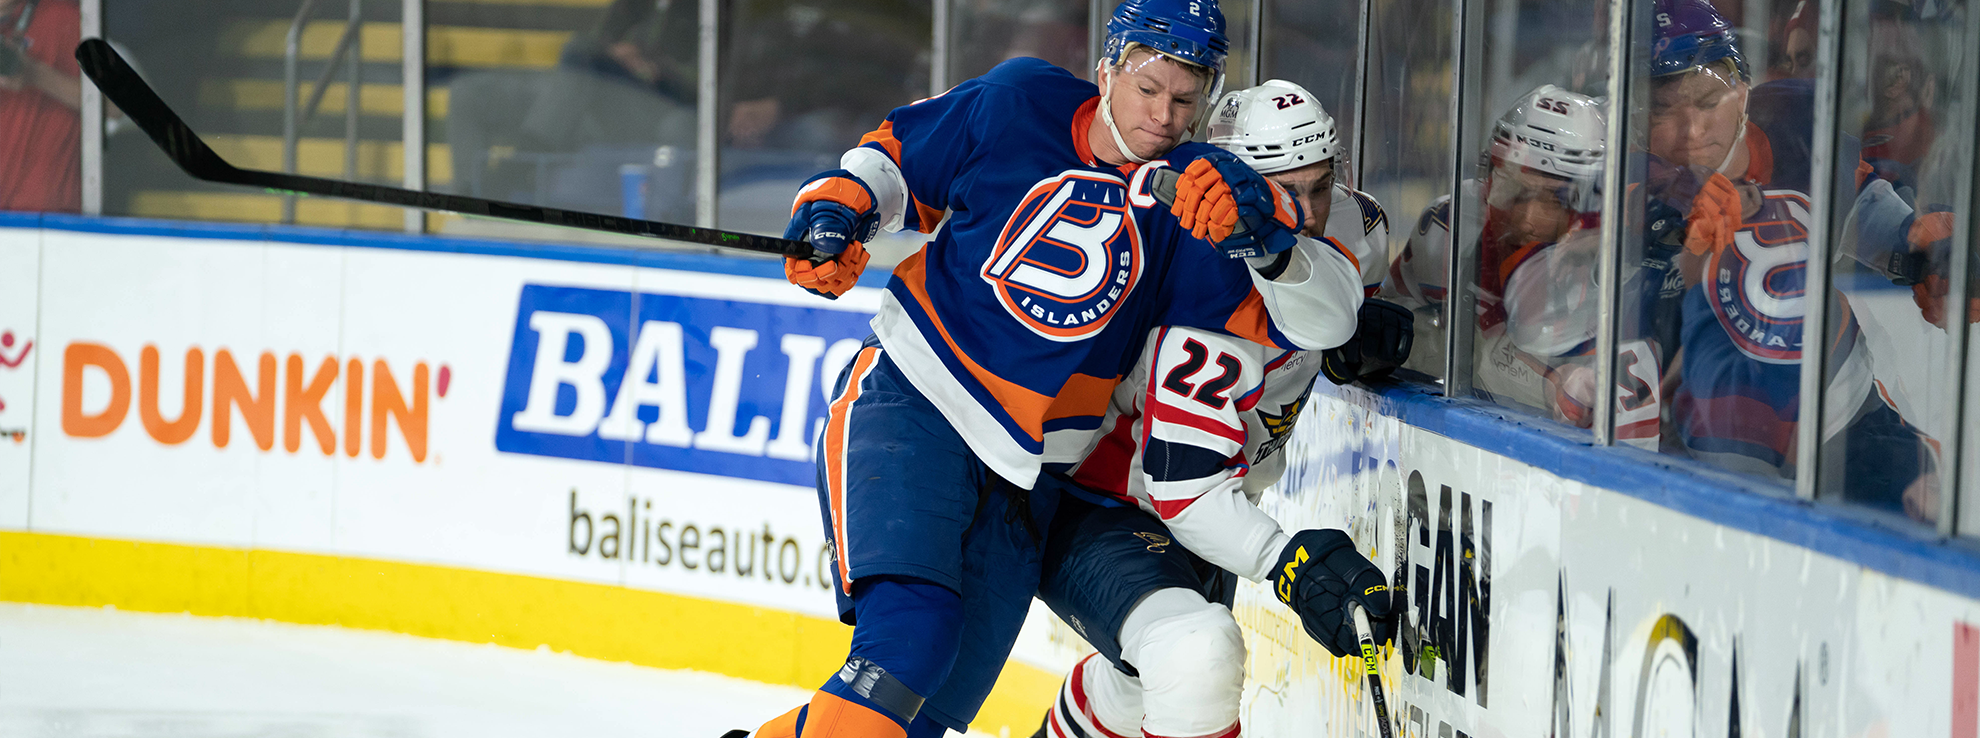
221,67
590,109
1406,163
793,98
1906,77
987,32
1312,44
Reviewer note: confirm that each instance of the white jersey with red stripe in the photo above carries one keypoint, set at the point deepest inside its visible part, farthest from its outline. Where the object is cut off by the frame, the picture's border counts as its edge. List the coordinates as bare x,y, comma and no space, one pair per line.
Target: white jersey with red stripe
1193,435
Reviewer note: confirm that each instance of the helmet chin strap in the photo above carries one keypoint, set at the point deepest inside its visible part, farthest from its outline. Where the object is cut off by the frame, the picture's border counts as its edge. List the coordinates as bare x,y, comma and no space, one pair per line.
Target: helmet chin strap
1739,139
1107,115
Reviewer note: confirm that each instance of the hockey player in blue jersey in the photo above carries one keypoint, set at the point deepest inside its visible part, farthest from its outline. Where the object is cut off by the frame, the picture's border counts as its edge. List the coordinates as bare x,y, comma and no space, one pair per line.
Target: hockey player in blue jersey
1737,399
998,344
1161,516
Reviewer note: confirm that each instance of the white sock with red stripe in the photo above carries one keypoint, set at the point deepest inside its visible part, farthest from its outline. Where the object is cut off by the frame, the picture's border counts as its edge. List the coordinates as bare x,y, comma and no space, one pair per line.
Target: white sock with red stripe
1097,701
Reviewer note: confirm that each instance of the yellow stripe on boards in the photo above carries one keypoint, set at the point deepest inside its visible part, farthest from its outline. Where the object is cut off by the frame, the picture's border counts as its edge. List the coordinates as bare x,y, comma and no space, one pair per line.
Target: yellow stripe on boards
600,621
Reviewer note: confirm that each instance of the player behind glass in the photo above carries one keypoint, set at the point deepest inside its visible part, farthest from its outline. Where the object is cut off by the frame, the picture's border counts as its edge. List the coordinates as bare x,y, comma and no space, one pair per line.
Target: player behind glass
1539,246
1736,159
1161,515
998,344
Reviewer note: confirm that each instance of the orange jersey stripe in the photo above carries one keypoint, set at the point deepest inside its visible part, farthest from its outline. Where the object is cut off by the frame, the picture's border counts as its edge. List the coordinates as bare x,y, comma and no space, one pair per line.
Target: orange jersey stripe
884,136
1082,122
1250,321
835,458
1082,395
832,716
835,189
1029,409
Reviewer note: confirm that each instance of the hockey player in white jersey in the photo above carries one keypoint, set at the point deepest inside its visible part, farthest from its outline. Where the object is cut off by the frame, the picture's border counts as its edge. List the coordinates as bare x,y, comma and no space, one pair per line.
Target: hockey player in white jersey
1538,215
1161,515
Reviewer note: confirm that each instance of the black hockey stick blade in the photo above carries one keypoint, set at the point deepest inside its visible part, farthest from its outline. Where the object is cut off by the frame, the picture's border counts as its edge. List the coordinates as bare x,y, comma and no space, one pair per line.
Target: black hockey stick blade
142,106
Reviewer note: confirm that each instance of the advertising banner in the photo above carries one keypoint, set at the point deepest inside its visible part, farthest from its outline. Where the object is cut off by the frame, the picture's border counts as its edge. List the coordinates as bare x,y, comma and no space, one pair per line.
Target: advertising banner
591,422
1540,606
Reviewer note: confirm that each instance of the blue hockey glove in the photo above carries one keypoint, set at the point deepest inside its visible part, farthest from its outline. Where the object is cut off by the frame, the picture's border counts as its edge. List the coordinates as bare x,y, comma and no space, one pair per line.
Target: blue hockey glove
1223,201
835,212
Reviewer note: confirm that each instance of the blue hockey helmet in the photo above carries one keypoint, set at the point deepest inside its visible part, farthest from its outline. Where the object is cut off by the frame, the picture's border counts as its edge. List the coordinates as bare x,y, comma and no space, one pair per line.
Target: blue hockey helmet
1692,34
1188,30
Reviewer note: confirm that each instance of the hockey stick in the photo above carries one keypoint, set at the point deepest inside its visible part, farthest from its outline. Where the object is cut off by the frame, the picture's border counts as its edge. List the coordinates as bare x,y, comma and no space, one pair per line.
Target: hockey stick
1367,638
142,106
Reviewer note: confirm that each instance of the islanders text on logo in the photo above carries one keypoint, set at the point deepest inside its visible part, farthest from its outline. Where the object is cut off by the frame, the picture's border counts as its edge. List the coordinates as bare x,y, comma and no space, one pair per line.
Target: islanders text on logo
1068,256
672,382
87,414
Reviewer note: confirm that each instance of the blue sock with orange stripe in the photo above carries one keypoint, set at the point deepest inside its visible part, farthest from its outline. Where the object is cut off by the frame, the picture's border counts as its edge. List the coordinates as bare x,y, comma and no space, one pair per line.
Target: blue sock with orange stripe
903,648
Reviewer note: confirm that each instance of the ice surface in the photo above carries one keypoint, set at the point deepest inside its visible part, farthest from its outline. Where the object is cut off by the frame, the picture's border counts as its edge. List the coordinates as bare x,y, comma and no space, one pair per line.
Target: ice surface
99,673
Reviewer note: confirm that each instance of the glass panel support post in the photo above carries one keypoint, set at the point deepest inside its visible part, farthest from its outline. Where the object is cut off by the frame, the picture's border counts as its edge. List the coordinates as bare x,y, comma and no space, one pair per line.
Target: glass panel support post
1616,230
412,121
1461,294
92,119
1823,198
707,168
938,50
1966,229
1360,141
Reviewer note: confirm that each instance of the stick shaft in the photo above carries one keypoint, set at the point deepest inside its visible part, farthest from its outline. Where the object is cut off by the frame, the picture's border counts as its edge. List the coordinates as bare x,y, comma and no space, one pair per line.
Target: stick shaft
142,106
1370,667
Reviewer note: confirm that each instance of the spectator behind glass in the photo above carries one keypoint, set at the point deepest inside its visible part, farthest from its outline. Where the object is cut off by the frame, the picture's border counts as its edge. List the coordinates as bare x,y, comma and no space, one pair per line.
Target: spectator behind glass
40,96
628,83
792,83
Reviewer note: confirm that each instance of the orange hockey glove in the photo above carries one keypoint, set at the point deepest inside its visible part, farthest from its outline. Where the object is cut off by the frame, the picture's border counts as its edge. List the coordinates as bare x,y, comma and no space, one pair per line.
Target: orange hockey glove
835,212
830,278
1715,216
1218,191
1929,234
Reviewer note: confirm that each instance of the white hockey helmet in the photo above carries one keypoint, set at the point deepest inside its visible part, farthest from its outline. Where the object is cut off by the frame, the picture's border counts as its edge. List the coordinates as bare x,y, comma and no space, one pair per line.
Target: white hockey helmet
1553,131
1274,127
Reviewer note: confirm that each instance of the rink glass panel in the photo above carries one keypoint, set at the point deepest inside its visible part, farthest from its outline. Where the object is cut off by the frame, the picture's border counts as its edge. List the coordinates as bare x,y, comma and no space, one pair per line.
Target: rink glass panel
1712,333
587,106
800,84
985,33
220,65
1405,160
1905,111
1313,43
1536,326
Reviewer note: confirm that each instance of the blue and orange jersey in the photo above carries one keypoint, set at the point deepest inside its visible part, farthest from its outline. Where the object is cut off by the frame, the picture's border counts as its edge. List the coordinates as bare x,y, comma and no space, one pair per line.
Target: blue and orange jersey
1739,402
1050,267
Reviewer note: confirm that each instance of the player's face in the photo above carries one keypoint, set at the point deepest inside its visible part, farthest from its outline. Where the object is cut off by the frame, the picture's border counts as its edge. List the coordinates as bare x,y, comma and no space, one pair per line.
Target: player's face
1529,206
1313,185
1695,118
1154,100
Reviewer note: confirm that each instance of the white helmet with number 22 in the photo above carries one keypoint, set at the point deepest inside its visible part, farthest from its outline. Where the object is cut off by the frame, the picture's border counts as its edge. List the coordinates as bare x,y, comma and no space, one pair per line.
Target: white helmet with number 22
1274,127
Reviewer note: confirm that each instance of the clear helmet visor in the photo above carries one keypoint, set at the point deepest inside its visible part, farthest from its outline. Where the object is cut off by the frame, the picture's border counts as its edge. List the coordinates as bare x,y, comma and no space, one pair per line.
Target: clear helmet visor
1141,70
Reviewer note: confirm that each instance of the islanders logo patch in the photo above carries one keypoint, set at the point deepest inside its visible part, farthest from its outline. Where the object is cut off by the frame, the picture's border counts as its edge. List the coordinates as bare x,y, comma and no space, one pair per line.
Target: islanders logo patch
1757,284
1068,257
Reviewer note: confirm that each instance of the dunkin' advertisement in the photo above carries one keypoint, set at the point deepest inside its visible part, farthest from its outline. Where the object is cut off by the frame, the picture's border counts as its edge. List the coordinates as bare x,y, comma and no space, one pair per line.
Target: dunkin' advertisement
604,423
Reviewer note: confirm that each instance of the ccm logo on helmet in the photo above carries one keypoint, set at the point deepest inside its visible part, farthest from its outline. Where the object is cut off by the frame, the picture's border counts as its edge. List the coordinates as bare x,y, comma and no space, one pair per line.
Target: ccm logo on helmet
1068,256
1297,142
